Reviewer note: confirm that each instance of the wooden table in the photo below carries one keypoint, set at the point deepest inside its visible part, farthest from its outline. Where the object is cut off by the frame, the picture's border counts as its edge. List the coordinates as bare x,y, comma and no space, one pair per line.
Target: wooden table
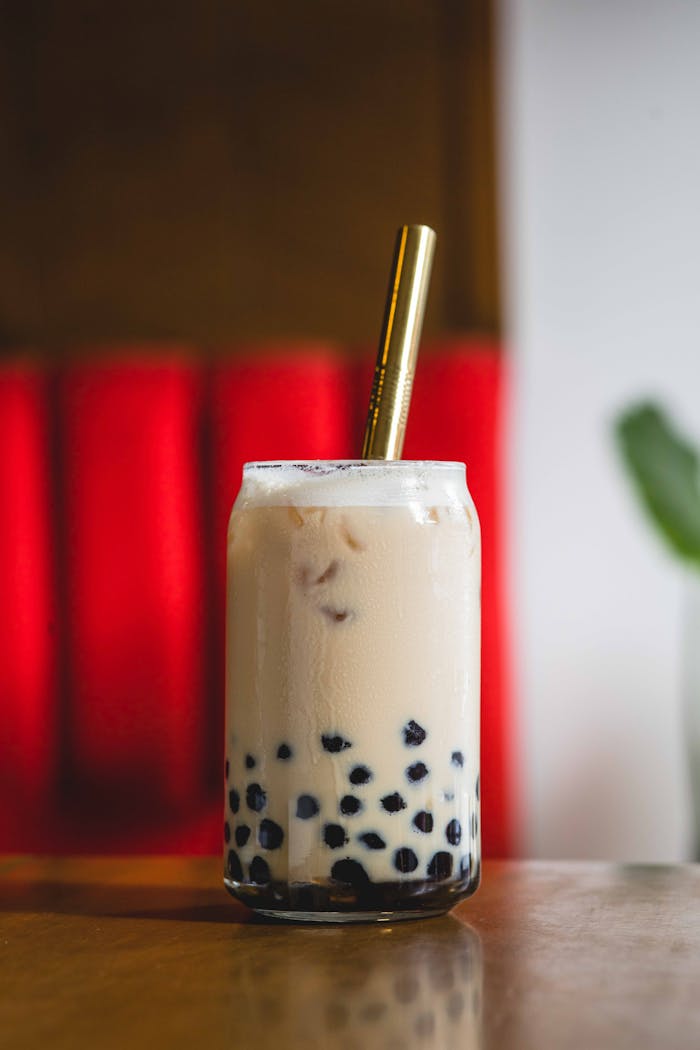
135,953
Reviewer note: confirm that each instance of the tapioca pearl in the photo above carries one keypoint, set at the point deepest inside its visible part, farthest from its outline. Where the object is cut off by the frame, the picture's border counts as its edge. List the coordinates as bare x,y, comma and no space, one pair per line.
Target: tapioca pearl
284,752
413,734
336,1017
453,833
405,860
307,807
233,866
448,796
393,803
256,798
350,872
234,800
227,832
334,835
270,835
455,1006
440,866
457,759
334,743
406,989
372,840
418,771
373,1011
360,775
425,1025
241,834
259,870
478,776
423,821
227,767
442,977
249,762
350,805
303,898
474,825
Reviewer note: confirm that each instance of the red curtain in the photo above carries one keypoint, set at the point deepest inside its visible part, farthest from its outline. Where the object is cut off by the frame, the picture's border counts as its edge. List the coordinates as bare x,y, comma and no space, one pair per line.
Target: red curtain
116,483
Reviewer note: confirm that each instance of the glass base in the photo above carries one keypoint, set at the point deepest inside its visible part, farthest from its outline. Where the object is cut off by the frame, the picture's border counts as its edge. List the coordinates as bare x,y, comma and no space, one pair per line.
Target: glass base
330,902
346,917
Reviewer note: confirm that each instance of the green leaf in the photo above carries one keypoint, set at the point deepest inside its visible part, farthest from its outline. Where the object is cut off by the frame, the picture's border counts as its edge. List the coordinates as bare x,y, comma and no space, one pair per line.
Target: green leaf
666,470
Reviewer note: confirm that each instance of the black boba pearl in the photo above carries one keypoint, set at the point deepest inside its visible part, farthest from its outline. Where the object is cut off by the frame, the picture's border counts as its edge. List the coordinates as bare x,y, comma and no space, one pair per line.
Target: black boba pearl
406,989
455,1006
360,775
425,1025
304,898
349,805
233,866
284,752
423,821
457,759
334,836
453,833
334,743
373,1011
259,870
336,1014
227,832
255,798
372,841
413,734
249,762
242,834
350,872
441,975
418,771
307,807
478,778
440,867
234,800
226,769
270,835
405,860
393,803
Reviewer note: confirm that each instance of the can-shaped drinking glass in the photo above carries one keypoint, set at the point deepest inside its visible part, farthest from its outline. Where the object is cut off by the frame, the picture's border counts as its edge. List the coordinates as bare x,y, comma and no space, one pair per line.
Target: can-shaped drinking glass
352,690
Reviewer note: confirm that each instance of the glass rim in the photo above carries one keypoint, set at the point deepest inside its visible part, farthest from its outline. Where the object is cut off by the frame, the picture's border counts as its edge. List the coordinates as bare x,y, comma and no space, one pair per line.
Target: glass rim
313,465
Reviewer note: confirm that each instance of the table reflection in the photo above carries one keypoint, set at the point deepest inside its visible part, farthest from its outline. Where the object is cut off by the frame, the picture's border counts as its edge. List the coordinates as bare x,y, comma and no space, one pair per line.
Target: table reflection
415,984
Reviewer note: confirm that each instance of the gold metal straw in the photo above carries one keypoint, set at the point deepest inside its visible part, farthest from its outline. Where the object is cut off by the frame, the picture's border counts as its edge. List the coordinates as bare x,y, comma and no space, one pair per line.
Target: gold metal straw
398,346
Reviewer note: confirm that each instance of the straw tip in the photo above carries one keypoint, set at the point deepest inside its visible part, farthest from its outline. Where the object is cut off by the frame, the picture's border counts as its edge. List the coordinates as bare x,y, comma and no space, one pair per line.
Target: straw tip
419,227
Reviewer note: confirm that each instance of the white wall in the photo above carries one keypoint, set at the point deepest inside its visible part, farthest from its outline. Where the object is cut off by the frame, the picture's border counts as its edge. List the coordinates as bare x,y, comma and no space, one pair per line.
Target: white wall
600,159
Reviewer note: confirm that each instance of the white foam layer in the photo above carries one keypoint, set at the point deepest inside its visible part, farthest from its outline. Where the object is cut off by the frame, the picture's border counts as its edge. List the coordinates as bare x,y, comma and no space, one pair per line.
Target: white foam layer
352,483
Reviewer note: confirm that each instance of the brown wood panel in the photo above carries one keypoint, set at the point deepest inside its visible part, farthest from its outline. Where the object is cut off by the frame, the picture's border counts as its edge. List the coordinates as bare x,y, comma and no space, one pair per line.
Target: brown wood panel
213,170
123,952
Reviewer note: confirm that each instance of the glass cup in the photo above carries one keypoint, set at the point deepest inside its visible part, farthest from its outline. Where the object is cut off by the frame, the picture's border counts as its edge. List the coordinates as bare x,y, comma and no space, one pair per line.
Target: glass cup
352,690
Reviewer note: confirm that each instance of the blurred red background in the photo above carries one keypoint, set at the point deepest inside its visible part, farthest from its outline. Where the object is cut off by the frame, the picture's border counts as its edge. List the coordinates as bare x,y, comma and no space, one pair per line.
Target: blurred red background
117,480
